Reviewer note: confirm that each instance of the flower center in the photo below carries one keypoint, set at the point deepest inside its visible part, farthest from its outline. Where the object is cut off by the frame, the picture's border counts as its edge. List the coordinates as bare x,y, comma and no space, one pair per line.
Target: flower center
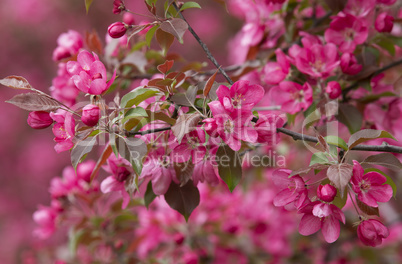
122,174
364,186
236,101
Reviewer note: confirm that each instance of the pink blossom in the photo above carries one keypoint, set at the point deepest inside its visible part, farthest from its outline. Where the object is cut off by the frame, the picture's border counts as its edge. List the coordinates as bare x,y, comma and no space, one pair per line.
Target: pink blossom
63,88
384,22
159,168
317,60
64,130
292,97
275,72
68,44
234,126
191,146
370,187
39,119
347,32
118,6
252,34
89,74
318,215
45,217
241,95
121,171
333,89
266,128
372,232
359,8
206,170
128,18
90,115
349,64
293,189
326,193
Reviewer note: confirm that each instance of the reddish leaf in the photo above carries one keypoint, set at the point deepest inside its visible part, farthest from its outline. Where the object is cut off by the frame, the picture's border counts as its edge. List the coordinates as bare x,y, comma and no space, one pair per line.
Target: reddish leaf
340,175
384,159
105,155
176,26
365,135
34,102
209,84
184,171
183,199
16,82
185,124
135,30
367,209
80,149
165,67
164,39
322,141
93,42
315,166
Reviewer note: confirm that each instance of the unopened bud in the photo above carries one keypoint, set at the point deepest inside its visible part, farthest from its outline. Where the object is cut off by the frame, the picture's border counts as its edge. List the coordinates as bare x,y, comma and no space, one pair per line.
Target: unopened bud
333,89
118,6
39,119
326,193
117,30
90,115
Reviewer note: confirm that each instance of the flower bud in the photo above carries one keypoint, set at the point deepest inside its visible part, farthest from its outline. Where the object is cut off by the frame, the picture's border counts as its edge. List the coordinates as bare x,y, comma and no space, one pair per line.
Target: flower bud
61,53
90,115
371,232
118,6
326,193
384,22
333,89
349,64
39,119
117,30
128,19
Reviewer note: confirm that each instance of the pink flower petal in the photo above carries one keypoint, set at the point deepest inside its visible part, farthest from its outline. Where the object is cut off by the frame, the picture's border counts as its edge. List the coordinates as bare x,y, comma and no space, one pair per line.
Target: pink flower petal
309,224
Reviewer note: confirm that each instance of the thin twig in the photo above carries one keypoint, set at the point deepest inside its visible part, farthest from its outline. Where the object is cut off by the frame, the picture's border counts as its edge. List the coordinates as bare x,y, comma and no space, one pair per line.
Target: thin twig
204,47
149,131
383,69
382,148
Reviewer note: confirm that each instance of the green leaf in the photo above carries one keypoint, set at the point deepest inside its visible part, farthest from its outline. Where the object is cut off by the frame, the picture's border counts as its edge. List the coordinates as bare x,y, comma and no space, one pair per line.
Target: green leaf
389,181
229,166
134,113
340,201
188,5
133,150
337,141
385,43
366,135
319,157
80,149
88,4
150,2
183,199
150,34
74,238
137,96
149,195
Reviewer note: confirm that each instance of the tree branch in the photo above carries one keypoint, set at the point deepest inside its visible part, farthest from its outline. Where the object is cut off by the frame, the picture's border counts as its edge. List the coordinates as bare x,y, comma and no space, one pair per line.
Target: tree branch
145,132
204,47
382,148
383,69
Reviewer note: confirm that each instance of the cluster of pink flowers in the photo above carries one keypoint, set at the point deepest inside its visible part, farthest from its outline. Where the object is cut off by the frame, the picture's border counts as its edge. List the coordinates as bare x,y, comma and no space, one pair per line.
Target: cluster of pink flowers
72,183
318,209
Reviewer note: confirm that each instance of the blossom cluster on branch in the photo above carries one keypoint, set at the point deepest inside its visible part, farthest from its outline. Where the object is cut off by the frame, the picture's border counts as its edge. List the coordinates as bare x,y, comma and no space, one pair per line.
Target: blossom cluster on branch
182,133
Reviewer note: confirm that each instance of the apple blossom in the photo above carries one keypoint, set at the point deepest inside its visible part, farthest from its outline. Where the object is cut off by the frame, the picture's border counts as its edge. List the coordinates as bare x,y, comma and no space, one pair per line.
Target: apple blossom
68,45
384,22
64,130
292,97
372,232
118,7
89,74
370,187
347,32
349,64
326,193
